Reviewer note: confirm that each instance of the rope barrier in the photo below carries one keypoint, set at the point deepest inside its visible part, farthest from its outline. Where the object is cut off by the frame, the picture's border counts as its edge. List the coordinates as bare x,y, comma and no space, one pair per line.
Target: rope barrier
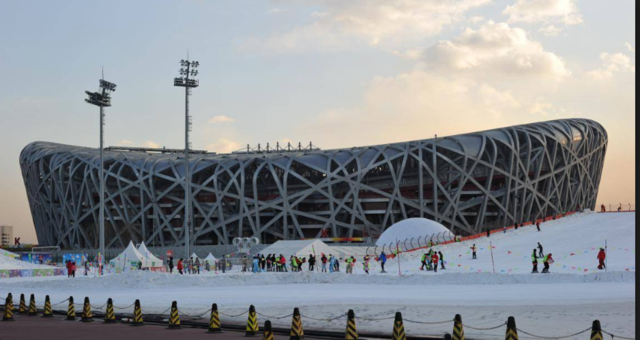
59,303
275,317
160,314
116,307
485,329
234,316
427,322
554,337
195,316
380,319
94,307
613,336
325,320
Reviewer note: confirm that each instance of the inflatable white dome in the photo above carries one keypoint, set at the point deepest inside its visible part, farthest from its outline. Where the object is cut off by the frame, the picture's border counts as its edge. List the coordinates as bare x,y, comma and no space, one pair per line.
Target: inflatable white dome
414,228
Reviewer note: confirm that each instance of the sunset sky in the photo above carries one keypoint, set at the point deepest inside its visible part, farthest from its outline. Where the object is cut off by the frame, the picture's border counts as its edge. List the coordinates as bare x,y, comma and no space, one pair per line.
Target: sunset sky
340,73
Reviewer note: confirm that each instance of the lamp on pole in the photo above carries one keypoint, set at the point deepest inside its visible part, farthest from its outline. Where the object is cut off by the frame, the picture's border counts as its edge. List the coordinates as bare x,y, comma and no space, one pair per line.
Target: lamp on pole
188,71
101,99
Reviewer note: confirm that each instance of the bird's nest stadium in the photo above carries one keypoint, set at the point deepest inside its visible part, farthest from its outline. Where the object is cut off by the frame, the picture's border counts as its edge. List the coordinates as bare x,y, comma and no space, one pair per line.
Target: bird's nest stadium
467,182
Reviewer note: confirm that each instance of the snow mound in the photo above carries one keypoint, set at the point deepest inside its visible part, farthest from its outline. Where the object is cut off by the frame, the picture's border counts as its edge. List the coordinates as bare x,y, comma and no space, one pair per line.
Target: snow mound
7,262
414,228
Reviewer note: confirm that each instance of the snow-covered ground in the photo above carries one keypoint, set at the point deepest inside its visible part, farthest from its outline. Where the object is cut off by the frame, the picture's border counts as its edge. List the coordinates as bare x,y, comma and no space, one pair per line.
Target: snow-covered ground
560,303
7,262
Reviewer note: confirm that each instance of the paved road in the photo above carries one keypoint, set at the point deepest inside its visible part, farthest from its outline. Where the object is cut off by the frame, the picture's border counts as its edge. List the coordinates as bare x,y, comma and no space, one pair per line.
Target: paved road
56,328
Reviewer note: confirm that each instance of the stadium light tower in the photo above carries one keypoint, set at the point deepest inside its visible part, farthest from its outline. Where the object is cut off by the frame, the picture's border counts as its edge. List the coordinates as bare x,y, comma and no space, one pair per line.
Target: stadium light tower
188,71
101,99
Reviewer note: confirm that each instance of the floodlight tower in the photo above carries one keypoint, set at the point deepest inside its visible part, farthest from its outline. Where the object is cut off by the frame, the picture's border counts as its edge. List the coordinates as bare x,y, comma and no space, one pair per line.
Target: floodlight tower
101,99
188,71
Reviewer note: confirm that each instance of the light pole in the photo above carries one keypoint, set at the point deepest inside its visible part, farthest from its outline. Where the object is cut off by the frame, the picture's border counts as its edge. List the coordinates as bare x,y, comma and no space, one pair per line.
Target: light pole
187,70
101,99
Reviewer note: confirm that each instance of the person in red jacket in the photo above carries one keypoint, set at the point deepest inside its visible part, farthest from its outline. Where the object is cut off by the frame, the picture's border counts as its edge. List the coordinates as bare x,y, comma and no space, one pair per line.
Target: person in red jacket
602,255
180,266
434,260
68,268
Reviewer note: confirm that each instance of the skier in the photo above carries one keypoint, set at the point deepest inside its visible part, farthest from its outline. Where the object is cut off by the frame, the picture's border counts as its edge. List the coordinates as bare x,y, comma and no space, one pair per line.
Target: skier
473,250
434,260
602,255
365,264
441,260
383,259
534,261
540,253
548,260
323,259
423,260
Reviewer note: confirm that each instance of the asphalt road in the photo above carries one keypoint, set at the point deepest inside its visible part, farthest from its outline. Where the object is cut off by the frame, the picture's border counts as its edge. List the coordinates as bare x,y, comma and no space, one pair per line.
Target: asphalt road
56,328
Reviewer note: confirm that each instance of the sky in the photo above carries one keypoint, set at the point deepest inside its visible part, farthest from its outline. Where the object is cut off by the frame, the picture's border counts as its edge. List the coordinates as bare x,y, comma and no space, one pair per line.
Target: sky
333,72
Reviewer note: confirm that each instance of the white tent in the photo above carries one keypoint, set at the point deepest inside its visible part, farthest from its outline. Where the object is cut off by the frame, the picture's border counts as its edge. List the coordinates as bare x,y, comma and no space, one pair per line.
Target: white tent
212,259
128,259
151,260
421,230
195,256
301,248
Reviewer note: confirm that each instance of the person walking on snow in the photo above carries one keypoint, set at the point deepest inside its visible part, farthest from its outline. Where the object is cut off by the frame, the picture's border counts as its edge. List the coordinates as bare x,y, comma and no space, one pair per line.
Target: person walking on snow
548,260
383,259
312,262
602,255
473,251
538,225
332,263
324,260
540,253
534,261
434,260
441,260
423,260
180,267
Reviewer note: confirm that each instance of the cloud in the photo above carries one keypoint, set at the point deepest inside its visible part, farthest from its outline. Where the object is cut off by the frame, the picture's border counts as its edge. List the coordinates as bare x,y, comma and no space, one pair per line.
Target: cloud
630,47
550,30
342,25
544,11
124,142
151,144
495,48
221,119
419,104
224,145
612,64
276,10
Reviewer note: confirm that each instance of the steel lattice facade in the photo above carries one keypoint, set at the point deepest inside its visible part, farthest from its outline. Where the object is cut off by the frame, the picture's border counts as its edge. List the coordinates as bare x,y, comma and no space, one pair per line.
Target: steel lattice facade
467,182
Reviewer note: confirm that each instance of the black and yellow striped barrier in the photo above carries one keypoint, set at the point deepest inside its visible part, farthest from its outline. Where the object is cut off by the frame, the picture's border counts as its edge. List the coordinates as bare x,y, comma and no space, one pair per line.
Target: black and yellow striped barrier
596,331
512,331
8,308
32,306
214,320
71,311
267,333
351,332
137,314
22,308
458,328
109,314
174,318
87,316
252,322
47,312
398,328
297,333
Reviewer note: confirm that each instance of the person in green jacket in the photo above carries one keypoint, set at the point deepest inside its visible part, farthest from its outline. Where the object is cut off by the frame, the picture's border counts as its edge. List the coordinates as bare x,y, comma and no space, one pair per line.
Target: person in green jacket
534,261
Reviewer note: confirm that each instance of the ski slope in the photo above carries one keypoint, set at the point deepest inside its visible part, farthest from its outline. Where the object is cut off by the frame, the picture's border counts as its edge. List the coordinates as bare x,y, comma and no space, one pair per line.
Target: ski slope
556,304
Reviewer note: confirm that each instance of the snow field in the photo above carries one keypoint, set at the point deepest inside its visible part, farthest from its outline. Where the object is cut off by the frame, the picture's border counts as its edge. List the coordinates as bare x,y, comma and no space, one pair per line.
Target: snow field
556,304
